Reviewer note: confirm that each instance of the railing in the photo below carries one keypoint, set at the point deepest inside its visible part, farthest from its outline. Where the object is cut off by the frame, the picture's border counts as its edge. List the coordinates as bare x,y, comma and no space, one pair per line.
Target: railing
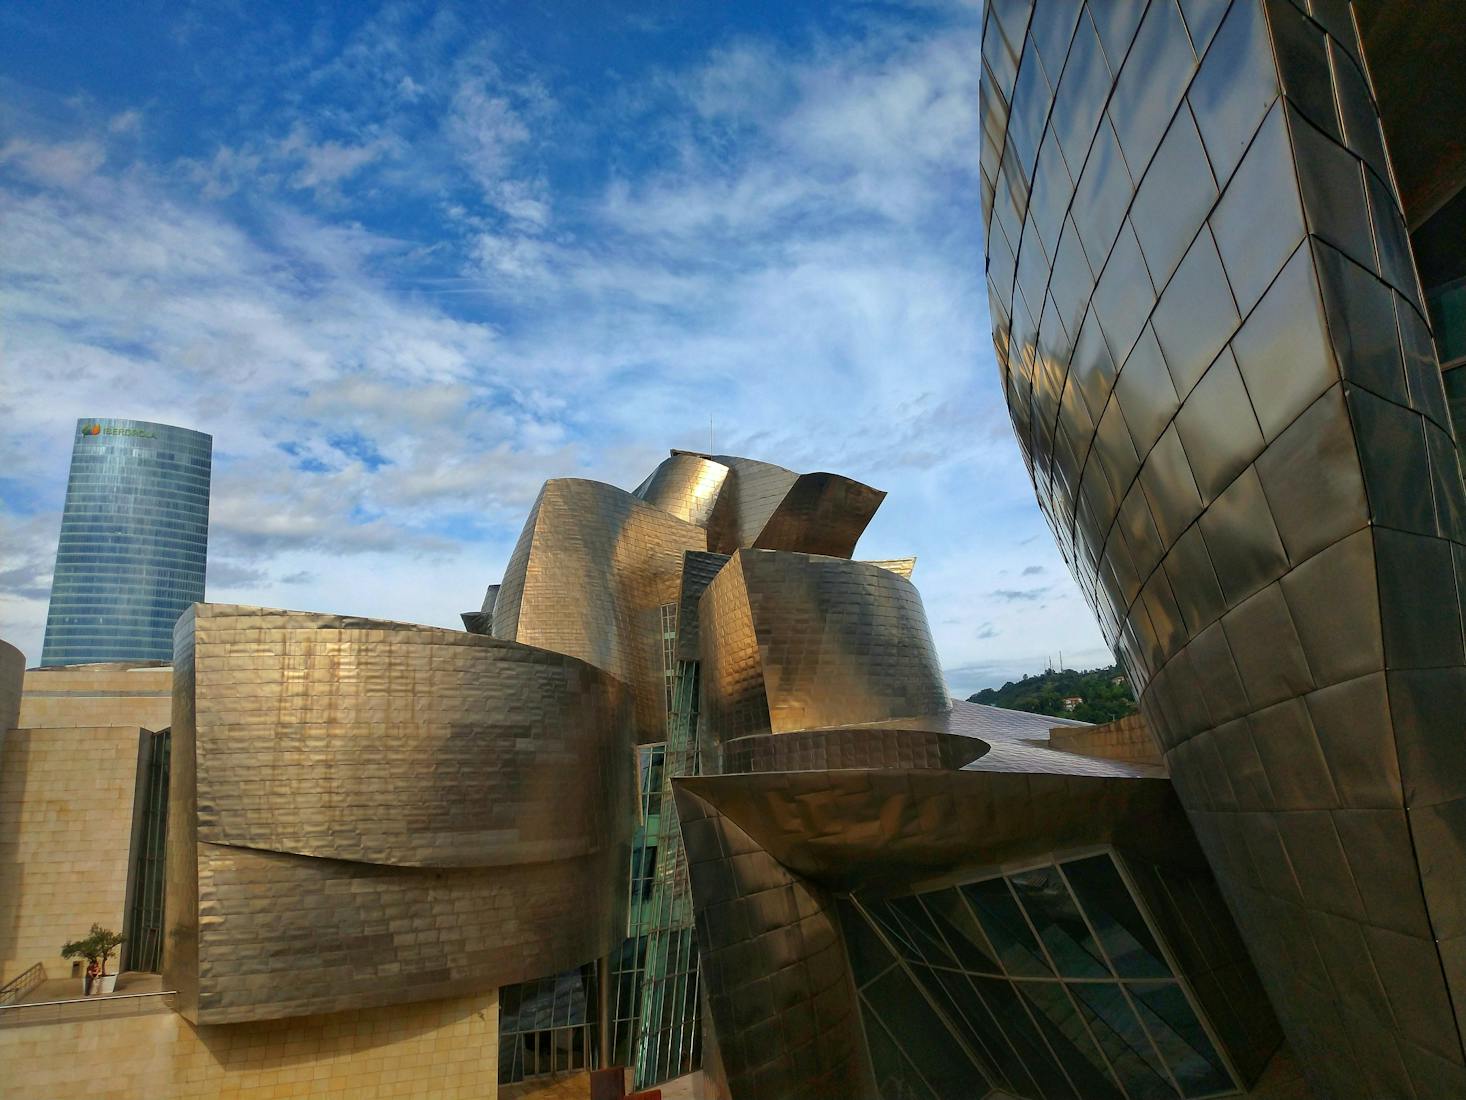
18,987
82,1009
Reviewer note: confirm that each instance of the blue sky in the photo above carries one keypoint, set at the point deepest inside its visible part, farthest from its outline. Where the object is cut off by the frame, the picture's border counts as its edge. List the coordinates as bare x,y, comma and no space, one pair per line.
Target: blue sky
405,261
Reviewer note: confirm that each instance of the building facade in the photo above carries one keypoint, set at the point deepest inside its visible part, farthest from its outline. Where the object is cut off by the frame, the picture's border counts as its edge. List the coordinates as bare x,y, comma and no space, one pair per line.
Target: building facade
689,794
1218,360
134,542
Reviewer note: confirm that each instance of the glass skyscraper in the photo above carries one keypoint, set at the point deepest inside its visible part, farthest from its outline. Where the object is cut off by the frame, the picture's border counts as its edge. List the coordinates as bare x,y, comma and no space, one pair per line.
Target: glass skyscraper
134,542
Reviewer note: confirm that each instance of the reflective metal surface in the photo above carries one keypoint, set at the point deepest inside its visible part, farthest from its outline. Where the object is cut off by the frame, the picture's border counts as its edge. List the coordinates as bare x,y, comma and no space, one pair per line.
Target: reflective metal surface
746,503
364,812
886,828
589,576
1259,492
797,641
846,770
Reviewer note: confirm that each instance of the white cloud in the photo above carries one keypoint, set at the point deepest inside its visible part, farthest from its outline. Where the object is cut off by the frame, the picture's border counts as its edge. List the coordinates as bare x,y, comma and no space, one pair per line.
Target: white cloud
787,241
325,164
63,164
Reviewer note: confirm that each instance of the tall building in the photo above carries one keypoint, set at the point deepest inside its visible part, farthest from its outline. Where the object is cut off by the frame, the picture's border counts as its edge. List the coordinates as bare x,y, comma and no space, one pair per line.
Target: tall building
134,542
1224,260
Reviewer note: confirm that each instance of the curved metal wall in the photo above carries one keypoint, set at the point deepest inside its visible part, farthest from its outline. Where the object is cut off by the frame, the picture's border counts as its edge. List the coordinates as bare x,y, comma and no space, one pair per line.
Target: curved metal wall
797,641
1217,365
745,503
366,813
589,576
686,485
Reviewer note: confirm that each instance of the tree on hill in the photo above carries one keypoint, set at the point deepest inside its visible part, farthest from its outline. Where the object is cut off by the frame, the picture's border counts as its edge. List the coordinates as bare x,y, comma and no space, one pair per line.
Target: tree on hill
1105,693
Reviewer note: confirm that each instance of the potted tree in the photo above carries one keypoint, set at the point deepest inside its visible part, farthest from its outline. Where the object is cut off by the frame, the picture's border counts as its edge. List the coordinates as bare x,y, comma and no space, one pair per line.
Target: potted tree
97,946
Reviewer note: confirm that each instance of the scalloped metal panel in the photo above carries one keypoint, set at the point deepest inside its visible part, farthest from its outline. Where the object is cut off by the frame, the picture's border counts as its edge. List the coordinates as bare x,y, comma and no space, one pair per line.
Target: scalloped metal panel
1258,496
366,812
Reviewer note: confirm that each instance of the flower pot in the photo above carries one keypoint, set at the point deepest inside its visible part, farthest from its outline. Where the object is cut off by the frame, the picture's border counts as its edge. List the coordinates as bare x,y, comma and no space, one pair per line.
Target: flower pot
105,984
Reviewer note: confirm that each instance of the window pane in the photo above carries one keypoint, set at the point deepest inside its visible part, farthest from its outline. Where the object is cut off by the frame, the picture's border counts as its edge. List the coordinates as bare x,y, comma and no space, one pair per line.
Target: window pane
1059,924
1183,1043
1118,923
951,915
1066,1034
922,1034
1125,1044
980,1030
868,955
1036,1057
923,932
1006,928
896,1078
894,930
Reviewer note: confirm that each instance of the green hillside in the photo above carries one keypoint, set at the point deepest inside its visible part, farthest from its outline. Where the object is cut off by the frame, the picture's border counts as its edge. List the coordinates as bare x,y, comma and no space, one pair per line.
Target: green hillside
1104,699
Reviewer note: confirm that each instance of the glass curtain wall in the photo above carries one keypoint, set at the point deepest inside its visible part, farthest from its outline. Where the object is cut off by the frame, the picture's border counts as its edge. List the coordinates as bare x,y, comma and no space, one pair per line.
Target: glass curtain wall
669,1039
630,959
143,927
653,981
134,542
1050,978
548,1025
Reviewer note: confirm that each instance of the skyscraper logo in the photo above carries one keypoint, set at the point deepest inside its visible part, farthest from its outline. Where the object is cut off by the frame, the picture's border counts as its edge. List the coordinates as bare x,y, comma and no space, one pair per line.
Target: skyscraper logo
97,429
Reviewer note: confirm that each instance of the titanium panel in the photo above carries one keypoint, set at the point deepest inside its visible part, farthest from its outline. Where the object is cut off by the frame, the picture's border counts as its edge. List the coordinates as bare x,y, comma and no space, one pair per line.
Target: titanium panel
795,641
1300,499
687,485
591,572
779,994
365,812
762,505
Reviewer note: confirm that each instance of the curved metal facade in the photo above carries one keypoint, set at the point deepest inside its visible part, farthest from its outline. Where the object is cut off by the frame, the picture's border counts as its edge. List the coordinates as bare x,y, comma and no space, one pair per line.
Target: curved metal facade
797,642
686,485
365,812
847,775
589,576
744,503
134,542
1218,368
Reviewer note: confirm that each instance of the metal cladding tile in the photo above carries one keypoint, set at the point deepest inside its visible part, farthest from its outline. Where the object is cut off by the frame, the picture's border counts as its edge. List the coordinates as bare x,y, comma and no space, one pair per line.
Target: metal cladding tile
382,815
1421,620
1440,832
884,828
1311,477
793,641
1303,64
1234,87
1332,183
1396,462
1354,728
856,747
687,485
1151,83
1195,316
1389,888
1079,102
588,578
753,982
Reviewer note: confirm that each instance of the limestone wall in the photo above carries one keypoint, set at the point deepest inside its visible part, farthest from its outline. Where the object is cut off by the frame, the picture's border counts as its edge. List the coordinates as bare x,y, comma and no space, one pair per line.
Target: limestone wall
66,804
1125,738
12,673
447,1050
98,695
